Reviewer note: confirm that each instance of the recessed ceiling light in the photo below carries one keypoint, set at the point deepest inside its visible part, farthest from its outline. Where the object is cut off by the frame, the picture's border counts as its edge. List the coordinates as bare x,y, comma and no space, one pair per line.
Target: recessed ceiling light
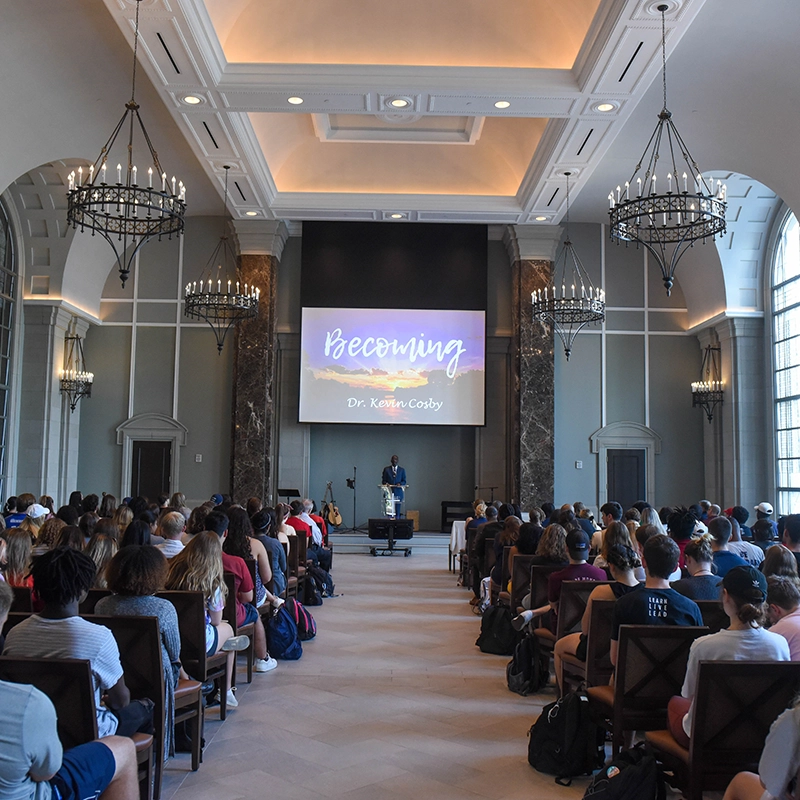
251,213
502,104
295,101
192,100
397,216
541,219
605,106
398,102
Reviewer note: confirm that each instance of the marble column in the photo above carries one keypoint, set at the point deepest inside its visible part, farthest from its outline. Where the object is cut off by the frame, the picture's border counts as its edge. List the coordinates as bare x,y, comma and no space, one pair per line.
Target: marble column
261,244
532,250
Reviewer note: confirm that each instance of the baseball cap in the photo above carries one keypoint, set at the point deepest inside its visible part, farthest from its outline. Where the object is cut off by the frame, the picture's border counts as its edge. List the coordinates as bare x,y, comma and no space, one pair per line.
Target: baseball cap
216,499
746,583
577,542
764,508
37,511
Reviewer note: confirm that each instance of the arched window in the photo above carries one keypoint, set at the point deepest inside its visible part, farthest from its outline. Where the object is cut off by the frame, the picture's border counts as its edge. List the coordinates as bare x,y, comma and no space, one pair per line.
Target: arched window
786,357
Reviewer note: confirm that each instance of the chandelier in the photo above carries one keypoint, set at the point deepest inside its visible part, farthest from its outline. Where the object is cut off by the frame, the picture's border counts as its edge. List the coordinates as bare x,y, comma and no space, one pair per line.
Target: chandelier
126,213
578,304
76,380
683,209
708,391
220,297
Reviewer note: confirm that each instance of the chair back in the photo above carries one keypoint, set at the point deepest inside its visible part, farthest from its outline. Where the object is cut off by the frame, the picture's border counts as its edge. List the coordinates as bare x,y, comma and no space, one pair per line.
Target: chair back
293,557
470,545
23,601
191,610
489,558
714,616
139,643
598,643
735,704
302,549
68,683
572,605
651,666
92,599
229,612
520,579
14,618
505,570
539,575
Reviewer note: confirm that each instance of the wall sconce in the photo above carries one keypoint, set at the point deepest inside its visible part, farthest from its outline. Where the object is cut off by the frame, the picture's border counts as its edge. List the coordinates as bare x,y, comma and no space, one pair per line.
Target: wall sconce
708,391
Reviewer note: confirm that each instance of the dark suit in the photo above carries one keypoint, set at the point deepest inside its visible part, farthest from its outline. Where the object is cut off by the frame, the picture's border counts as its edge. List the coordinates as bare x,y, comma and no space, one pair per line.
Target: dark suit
389,478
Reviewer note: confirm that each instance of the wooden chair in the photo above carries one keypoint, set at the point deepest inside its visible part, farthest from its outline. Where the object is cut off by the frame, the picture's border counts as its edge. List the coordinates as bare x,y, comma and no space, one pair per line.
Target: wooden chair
14,618
735,705
520,580
489,559
539,576
23,601
651,666
500,595
69,684
92,599
229,614
571,605
714,616
191,609
597,669
292,568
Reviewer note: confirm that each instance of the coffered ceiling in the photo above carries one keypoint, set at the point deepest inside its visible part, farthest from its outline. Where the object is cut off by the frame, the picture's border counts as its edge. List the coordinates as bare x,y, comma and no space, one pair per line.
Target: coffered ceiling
399,111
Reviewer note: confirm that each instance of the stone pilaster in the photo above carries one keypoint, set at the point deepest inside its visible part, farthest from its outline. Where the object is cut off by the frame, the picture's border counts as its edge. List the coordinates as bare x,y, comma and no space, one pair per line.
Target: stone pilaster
260,248
532,250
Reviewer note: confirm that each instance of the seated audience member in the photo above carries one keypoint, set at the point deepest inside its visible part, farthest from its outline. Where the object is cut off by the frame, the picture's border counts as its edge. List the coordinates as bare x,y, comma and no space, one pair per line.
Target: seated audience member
762,534
699,526
477,557
283,530
24,502
548,510
750,552
170,528
744,595
650,517
701,584
137,533
764,511
33,764
151,519
61,578
622,561
253,506
783,611
316,546
244,590
645,532
632,515
478,516
108,505
123,517
585,522
664,513
779,560
705,507
34,519
135,574
779,764
681,525
17,558
68,515
262,529
197,522
617,534
107,526
568,521
655,603
791,535
86,523
609,512
527,539
741,515
90,504
552,547
101,549
178,503
198,568
724,560
10,507
70,536
48,534
576,570
713,511
506,538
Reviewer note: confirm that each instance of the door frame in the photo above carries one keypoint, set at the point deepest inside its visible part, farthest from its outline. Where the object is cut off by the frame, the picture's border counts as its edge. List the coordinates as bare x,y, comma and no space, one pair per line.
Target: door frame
625,436
142,427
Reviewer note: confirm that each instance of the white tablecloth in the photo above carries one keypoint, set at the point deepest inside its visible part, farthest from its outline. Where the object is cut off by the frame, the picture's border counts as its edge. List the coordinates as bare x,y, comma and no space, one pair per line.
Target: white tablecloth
458,537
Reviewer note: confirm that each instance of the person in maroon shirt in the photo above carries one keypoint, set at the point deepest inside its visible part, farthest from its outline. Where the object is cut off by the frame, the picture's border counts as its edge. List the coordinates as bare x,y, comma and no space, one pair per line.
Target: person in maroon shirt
246,612
577,570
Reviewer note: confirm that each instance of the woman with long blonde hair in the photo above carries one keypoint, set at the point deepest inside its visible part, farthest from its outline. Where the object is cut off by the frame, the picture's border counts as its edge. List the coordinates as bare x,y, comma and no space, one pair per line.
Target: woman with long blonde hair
198,568
123,517
101,549
18,558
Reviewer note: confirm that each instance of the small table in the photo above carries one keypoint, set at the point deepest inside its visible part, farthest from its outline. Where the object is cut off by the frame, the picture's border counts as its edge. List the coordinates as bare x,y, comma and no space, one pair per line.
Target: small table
458,542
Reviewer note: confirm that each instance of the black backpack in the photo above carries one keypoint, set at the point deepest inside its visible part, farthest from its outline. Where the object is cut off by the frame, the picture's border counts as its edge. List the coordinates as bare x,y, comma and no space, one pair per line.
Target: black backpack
497,633
323,579
632,775
529,669
564,741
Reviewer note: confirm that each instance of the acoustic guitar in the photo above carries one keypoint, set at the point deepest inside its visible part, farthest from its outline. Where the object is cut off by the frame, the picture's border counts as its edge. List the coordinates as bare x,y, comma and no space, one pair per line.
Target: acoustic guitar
330,510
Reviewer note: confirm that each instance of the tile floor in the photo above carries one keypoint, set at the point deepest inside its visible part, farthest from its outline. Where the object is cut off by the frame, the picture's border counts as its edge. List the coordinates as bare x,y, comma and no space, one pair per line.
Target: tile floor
391,700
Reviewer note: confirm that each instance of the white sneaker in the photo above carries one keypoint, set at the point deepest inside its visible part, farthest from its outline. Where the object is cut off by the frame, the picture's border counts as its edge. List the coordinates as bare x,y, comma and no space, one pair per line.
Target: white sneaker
230,699
265,664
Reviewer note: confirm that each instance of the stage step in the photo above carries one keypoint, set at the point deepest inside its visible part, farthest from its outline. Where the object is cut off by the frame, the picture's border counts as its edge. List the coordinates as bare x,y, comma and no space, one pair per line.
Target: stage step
430,542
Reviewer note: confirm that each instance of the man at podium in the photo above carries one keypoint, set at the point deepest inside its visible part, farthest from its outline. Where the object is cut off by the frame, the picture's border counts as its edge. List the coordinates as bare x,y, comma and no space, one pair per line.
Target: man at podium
395,477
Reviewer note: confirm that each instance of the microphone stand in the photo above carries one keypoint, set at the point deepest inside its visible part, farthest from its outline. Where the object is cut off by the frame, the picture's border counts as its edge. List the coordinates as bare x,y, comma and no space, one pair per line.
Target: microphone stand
351,484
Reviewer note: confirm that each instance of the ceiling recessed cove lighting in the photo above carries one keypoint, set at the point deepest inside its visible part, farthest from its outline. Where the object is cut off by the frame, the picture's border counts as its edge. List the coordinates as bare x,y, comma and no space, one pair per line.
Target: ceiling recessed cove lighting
502,104
295,101
251,213
192,100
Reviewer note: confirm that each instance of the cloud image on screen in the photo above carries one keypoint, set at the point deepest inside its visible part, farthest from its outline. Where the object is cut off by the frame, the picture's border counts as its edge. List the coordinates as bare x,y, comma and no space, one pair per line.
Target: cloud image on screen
406,366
